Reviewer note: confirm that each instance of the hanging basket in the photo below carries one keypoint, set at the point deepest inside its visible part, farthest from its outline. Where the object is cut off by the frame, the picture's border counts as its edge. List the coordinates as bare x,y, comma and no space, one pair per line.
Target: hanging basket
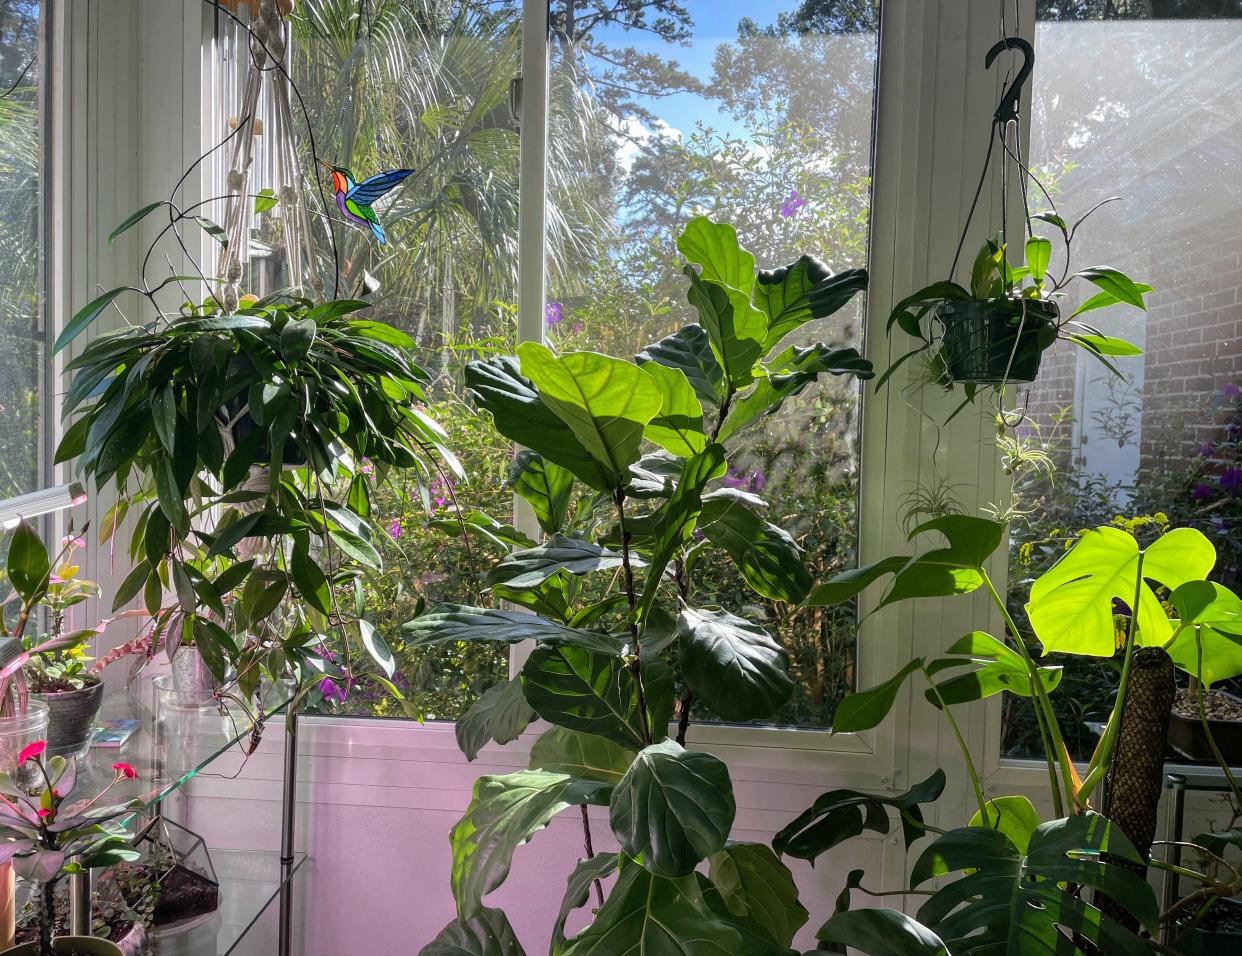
993,341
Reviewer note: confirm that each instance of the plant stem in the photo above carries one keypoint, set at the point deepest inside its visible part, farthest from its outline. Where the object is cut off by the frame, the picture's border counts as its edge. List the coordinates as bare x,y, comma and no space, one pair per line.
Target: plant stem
1207,732
590,850
683,718
1057,755
961,742
48,914
636,667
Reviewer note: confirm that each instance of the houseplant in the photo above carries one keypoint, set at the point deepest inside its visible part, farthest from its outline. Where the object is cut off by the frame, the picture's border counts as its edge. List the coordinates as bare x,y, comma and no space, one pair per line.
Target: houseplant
50,838
236,443
621,648
1007,857
995,330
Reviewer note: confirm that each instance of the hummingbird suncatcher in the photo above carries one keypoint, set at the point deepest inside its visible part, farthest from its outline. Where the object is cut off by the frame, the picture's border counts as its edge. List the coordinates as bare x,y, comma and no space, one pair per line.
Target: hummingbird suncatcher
354,199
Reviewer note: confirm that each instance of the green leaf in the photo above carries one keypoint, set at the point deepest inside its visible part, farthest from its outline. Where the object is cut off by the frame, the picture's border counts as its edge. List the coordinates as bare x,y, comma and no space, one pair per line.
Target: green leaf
164,416
1117,284
734,327
578,891
1104,299
580,755
1205,602
132,584
1105,344
504,813
678,427
849,584
767,556
879,931
28,564
134,219
1071,605
546,486
457,622
605,401
1014,816
865,709
500,714
732,665
377,647
83,318
309,579
1038,252
1012,901
838,815
673,808
265,200
1207,654
296,339
532,566
579,689
689,350
520,415
488,933
755,885
654,916
714,248
803,290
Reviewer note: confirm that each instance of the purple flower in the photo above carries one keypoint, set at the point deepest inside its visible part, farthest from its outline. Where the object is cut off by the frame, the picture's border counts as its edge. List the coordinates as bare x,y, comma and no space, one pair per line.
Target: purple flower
1206,449
735,478
1232,390
331,690
758,481
365,467
577,328
553,313
1202,491
394,529
792,204
442,491
1231,480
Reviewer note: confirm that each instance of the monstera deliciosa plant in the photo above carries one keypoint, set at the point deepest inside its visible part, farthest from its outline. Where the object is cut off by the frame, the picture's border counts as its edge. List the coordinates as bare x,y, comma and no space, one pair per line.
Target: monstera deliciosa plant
622,468
1011,882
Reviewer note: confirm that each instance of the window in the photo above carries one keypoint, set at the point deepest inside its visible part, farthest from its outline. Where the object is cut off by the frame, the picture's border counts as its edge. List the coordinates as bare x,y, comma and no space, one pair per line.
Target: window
23,448
1129,103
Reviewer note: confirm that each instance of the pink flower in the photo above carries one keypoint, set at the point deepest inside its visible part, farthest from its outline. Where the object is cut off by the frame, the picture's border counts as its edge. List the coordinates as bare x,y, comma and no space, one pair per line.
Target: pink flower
577,328
366,467
790,207
75,542
44,814
125,770
30,751
394,529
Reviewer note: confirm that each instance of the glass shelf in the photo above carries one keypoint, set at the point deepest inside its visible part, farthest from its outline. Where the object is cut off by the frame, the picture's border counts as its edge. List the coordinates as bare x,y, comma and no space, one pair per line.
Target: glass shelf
250,880
172,743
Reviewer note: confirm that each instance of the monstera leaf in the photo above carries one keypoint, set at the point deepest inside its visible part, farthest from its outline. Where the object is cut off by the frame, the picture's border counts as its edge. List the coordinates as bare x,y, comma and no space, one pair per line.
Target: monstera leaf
1071,606
673,808
500,714
732,665
520,415
596,693
678,428
486,934
605,401
689,350
659,916
545,486
880,931
504,813
804,290
1014,902
755,885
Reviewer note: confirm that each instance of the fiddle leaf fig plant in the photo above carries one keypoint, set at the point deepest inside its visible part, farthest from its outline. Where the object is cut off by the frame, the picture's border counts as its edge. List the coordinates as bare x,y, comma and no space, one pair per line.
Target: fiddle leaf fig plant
623,467
241,446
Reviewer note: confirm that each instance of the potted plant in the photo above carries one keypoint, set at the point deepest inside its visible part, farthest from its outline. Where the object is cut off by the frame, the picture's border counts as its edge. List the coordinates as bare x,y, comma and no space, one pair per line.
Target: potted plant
237,444
626,471
49,837
996,330
1203,715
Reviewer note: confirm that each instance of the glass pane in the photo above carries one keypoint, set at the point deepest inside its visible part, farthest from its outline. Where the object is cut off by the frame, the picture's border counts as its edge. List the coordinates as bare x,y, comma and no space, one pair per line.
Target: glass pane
21,304
424,85
1137,100
757,114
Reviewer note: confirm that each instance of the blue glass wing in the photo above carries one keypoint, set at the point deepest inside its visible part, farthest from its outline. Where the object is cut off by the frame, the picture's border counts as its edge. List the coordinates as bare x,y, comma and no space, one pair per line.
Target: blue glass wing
369,190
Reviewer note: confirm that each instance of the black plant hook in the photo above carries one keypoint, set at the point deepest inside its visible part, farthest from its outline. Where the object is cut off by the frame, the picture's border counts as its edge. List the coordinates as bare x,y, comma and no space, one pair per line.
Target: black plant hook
1008,108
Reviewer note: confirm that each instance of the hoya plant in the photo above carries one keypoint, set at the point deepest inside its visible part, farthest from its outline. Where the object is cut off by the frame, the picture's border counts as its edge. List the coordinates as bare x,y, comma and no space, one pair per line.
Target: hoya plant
1009,881
622,468
241,445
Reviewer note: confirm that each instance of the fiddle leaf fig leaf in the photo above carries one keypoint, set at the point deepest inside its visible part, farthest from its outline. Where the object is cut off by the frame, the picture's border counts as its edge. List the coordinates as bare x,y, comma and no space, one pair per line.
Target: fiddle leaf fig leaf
504,813
689,350
1017,901
678,428
732,665
714,248
500,714
546,487
488,933
734,327
754,884
578,891
801,291
520,414
879,931
767,556
606,402
530,567
581,755
579,689
1071,605
673,808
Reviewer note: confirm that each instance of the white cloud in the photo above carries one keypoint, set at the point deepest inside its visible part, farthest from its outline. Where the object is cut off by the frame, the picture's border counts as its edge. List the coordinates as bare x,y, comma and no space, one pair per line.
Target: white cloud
633,137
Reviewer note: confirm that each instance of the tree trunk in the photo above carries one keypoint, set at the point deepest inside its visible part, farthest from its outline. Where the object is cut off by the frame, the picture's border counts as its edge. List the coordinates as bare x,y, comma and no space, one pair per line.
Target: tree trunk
1137,774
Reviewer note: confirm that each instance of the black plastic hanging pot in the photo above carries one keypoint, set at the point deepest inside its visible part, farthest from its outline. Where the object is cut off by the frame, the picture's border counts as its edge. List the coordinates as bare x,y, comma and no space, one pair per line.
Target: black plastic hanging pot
993,341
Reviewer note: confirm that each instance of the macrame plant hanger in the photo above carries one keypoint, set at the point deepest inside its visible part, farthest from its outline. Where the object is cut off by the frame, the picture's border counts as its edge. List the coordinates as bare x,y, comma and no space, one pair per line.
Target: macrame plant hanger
268,46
